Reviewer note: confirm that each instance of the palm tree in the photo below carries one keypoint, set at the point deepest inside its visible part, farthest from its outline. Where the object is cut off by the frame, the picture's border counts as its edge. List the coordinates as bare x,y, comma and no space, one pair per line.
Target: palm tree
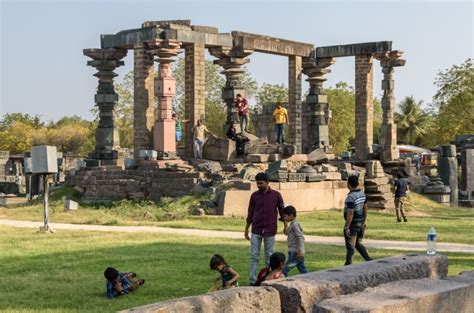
411,121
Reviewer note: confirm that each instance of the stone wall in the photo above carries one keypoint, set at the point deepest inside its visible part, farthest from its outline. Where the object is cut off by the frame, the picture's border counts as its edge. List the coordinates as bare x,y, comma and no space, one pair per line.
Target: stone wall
116,184
406,283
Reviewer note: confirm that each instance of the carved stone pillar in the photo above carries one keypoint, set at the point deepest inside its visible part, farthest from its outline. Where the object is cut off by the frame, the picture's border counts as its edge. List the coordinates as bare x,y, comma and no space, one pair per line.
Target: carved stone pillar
317,115
106,135
364,106
232,60
388,138
143,100
164,132
294,100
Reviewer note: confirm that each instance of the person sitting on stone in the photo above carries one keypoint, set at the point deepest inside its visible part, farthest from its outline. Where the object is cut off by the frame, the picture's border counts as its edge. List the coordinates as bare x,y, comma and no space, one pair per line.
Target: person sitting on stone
119,283
274,270
229,277
238,138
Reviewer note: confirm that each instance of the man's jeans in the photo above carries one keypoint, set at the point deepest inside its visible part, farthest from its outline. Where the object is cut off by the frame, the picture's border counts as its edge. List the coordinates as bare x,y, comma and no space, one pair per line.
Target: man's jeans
255,244
280,133
293,261
198,144
244,123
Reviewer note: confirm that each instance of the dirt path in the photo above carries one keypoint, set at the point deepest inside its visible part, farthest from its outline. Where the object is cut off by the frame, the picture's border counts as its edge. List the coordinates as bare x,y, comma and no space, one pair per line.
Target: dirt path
379,244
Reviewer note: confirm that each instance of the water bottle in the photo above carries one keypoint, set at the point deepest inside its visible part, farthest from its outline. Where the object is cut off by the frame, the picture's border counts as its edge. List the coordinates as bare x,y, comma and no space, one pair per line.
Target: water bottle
431,242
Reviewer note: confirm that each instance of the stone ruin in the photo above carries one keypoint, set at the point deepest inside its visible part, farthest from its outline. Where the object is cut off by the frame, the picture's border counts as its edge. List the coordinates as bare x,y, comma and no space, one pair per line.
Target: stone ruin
304,169
402,284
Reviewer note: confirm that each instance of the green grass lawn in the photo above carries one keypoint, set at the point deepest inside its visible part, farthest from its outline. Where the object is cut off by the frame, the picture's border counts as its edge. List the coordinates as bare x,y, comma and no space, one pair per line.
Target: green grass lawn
452,224
63,272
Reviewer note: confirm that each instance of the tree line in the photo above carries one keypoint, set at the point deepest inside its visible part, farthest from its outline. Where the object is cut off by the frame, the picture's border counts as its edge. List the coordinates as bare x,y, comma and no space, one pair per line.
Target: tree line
451,113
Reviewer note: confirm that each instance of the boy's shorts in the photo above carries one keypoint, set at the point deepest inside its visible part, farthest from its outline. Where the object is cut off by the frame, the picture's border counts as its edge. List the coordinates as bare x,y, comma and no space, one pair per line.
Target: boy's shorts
179,136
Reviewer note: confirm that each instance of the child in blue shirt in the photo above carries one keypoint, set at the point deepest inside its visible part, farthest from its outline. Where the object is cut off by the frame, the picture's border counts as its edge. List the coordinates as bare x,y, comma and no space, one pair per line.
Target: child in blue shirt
119,283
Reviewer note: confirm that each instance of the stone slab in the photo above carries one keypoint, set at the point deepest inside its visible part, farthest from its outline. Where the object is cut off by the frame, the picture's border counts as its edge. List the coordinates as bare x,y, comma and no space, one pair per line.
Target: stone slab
237,300
406,296
235,202
267,44
300,293
352,49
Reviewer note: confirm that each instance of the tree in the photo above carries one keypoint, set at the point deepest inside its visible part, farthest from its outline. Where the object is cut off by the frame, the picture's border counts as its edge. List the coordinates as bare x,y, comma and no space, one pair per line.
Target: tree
342,125
269,93
34,121
453,104
16,137
411,121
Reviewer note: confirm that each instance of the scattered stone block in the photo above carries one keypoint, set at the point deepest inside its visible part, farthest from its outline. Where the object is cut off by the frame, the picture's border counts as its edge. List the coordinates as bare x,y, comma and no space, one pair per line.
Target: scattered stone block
328,168
236,300
298,158
405,296
346,173
210,167
279,176
374,169
300,293
317,156
219,149
71,205
315,177
376,181
257,158
296,177
332,175
249,173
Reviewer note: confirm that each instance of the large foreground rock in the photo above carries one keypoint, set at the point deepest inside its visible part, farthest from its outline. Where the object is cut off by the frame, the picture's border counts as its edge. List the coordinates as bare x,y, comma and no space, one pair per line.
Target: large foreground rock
405,296
238,300
300,293
219,149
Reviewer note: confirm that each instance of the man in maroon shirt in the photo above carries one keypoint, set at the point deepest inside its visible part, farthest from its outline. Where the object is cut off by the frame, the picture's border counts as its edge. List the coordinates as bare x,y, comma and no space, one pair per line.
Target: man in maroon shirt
243,109
264,207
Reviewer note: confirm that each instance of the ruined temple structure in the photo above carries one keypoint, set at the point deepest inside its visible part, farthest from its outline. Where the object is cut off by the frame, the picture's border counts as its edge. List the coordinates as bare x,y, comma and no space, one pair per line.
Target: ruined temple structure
162,41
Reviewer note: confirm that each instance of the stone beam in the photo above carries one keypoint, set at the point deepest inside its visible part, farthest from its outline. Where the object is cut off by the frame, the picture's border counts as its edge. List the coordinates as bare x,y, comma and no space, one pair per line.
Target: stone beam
272,45
185,34
352,49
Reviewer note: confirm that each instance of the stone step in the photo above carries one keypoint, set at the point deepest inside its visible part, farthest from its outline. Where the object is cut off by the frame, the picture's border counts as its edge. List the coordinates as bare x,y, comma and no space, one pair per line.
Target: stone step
406,296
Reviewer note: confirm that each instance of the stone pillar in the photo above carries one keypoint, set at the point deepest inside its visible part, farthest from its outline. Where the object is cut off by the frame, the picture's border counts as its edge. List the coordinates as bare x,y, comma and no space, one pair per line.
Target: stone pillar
294,100
143,100
317,113
364,107
467,173
388,137
448,171
106,135
195,88
232,61
164,131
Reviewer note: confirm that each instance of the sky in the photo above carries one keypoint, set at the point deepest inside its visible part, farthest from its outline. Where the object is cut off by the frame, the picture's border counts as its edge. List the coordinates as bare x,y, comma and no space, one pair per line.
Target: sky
43,70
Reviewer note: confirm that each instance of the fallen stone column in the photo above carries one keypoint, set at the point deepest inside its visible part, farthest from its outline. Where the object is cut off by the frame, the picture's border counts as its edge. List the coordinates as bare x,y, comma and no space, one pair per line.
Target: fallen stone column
300,293
405,296
238,300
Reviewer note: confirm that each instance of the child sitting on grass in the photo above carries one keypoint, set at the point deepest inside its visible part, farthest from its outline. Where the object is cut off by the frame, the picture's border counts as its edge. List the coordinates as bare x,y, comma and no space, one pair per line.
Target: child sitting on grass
119,283
229,276
274,271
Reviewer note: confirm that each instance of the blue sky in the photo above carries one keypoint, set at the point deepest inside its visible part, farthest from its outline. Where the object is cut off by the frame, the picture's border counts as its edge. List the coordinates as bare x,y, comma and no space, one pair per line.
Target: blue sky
44,72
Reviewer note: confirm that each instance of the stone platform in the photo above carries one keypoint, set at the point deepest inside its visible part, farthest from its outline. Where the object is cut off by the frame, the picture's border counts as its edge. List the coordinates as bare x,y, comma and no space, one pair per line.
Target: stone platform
406,283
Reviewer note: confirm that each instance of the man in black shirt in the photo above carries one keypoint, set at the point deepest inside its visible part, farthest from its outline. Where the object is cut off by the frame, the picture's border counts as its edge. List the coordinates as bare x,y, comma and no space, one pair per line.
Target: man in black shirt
401,186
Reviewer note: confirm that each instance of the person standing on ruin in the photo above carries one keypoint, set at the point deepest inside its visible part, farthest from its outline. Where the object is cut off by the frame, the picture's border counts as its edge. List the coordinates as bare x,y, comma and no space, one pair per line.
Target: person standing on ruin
264,207
243,110
401,187
281,119
199,137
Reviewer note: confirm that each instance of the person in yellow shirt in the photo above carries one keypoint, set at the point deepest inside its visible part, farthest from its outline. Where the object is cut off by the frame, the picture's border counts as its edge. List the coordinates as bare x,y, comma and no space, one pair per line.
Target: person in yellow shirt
281,119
